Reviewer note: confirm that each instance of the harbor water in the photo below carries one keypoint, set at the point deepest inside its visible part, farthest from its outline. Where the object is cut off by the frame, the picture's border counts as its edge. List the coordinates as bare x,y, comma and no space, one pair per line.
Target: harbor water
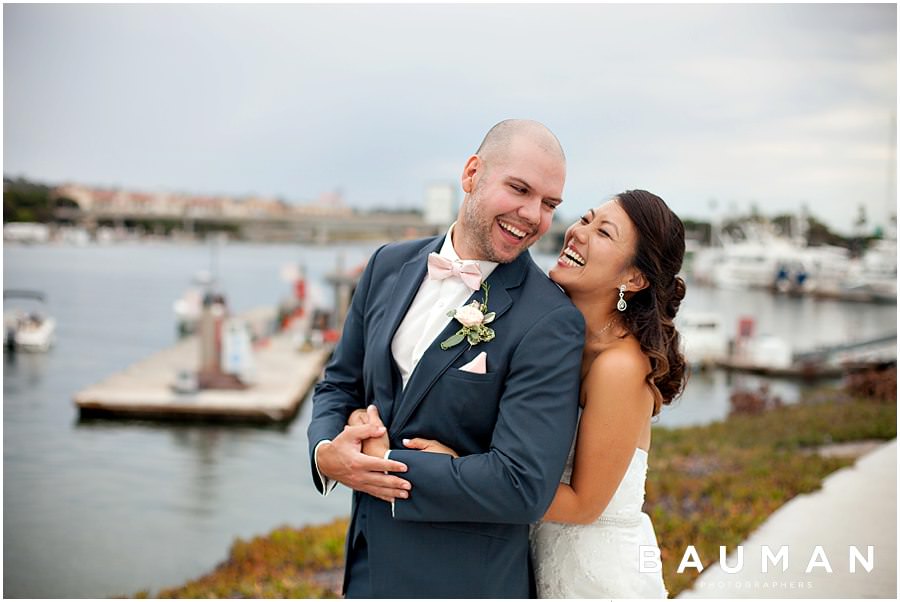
107,508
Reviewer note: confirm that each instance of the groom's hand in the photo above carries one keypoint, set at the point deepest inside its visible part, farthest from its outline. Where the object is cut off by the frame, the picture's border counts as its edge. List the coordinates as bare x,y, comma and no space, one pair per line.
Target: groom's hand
342,460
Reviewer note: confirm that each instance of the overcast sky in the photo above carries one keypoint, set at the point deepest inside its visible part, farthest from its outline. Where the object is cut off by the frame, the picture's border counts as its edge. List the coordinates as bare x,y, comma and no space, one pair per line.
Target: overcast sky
773,105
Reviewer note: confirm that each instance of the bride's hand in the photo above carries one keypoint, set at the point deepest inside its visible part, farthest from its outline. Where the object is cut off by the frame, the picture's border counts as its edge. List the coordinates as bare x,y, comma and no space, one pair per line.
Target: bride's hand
429,445
358,417
376,446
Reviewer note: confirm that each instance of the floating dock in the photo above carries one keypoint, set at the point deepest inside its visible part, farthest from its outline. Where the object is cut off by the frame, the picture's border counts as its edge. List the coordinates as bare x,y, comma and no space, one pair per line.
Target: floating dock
797,370
825,362
283,377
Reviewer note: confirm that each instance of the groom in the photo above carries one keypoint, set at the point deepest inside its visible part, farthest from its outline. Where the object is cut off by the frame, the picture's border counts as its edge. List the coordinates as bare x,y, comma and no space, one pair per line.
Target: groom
429,525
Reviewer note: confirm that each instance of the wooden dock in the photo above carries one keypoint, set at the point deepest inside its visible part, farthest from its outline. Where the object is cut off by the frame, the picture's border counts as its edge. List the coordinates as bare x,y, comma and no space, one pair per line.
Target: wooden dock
284,376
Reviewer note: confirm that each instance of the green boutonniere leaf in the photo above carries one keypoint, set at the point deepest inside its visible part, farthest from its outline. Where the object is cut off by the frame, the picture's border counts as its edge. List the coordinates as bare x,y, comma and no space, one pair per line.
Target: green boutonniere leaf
456,339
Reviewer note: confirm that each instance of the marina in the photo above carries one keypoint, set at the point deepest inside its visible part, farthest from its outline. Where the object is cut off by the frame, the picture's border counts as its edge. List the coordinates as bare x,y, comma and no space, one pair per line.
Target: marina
756,257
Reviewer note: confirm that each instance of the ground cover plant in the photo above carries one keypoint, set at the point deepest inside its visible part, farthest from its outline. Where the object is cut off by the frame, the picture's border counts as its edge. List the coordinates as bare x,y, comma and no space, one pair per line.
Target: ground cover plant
708,486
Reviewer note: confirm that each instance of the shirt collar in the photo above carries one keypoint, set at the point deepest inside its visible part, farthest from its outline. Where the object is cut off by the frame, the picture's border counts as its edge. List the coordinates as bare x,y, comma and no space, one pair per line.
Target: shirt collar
447,251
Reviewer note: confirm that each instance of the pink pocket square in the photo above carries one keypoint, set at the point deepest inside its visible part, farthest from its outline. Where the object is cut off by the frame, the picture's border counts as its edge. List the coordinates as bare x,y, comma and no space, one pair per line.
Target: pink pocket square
476,366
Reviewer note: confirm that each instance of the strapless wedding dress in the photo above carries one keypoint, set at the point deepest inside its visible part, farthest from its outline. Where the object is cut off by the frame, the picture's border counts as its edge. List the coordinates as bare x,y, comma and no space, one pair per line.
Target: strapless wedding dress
602,559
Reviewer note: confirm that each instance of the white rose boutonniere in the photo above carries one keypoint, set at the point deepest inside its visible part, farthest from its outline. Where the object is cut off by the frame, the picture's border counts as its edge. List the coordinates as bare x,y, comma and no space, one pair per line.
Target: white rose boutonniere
469,315
474,318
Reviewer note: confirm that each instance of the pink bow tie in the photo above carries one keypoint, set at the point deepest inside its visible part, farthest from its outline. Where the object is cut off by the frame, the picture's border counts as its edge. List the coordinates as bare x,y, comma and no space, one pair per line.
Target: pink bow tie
440,268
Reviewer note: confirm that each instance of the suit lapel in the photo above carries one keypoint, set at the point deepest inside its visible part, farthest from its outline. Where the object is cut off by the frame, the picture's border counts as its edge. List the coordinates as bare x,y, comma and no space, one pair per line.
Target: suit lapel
436,361
409,279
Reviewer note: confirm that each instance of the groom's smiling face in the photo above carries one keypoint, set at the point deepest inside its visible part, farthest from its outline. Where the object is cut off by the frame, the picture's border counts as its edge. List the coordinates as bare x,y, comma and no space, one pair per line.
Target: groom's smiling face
510,199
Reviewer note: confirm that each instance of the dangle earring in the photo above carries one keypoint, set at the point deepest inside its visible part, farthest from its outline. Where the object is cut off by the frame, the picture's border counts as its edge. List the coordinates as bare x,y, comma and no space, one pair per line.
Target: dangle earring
621,305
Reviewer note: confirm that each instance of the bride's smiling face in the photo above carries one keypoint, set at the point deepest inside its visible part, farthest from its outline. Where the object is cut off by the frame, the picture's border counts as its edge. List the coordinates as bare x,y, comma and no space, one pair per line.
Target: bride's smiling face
597,253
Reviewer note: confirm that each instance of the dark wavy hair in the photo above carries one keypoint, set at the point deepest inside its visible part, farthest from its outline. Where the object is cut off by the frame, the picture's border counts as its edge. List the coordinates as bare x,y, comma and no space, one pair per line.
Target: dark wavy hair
651,311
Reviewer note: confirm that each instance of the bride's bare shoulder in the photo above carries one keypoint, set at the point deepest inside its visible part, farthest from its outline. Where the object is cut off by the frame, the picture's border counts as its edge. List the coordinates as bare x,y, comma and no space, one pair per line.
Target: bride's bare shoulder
621,370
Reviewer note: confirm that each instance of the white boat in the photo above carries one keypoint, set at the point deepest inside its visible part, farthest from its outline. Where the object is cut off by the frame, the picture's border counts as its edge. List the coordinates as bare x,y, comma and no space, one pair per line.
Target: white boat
76,236
751,264
874,276
26,232
752,261
764,260
818,270
766,351
702,338
23,330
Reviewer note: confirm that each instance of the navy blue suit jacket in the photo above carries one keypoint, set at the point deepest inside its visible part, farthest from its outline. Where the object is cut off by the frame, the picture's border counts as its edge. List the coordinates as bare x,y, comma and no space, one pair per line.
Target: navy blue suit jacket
463,531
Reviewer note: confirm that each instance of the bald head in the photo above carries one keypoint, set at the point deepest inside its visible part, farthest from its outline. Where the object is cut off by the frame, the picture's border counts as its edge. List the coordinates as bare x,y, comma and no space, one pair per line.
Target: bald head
513,183
501,137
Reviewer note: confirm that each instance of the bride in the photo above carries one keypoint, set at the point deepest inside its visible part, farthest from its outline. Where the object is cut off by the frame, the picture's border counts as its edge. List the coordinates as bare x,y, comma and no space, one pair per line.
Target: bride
619,266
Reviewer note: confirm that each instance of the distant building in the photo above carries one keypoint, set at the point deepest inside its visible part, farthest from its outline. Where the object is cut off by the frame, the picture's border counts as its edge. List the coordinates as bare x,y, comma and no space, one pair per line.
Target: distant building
109,201
440,204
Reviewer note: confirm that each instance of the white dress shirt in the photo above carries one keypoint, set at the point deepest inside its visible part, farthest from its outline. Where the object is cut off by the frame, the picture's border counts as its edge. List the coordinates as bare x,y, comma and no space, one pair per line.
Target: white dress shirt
425,319
427,314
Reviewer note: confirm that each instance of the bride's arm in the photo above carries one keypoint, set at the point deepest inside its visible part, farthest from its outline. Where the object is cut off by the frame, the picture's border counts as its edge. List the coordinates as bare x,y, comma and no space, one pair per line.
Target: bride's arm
617,407
377,447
